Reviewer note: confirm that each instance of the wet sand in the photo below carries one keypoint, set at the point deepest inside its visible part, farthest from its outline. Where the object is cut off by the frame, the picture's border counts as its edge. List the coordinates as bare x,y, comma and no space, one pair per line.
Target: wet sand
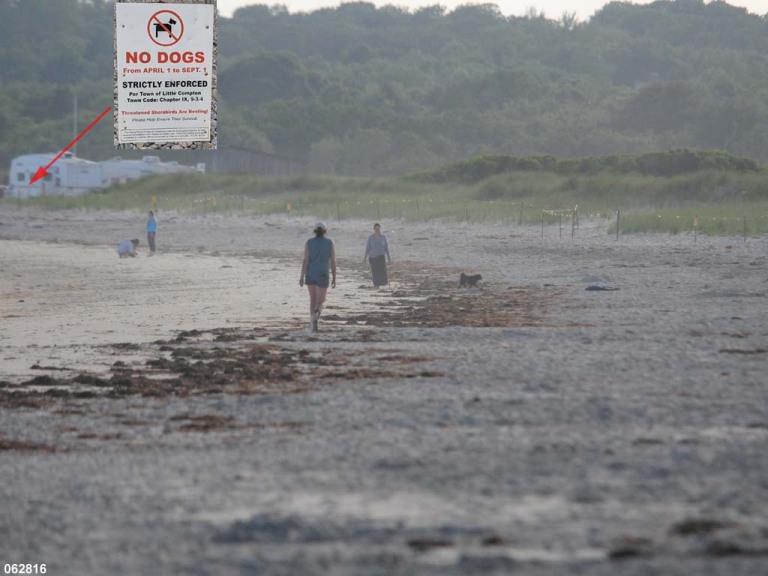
530,426
66,306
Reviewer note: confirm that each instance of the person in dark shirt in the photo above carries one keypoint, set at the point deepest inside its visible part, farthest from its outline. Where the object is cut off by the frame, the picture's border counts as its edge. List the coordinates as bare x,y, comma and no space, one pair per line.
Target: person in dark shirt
319,260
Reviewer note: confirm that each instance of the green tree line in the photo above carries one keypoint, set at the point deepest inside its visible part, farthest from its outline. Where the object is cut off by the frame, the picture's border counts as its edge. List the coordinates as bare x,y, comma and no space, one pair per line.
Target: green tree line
361,90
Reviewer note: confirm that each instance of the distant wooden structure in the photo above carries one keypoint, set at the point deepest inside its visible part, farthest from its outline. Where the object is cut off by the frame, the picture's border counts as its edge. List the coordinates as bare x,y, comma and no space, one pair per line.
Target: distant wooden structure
236,160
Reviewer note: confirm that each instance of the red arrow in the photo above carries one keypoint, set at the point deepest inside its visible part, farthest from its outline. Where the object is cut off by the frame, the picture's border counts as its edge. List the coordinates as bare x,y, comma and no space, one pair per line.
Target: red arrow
43,172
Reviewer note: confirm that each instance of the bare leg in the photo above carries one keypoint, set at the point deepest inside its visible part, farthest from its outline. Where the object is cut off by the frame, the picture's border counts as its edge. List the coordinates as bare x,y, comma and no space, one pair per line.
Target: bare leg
316,301
320,299
312,298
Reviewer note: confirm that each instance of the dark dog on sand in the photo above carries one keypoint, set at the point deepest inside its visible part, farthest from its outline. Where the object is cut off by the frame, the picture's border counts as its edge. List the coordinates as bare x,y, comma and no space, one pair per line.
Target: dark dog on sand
466,281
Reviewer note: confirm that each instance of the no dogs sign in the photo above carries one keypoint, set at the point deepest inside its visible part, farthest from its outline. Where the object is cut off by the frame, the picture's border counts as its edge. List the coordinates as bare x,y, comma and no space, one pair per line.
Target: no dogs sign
164,59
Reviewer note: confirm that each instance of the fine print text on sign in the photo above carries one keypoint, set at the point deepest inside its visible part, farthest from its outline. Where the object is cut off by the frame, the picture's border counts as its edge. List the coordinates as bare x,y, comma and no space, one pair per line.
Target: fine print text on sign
164,60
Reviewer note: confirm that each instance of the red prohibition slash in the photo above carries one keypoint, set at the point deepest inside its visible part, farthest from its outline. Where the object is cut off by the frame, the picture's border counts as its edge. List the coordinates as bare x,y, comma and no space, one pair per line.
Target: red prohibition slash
155,27
43,172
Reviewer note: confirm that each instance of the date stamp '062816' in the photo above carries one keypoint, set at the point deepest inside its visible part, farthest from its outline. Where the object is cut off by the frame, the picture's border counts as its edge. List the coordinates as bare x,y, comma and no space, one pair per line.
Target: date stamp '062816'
25,569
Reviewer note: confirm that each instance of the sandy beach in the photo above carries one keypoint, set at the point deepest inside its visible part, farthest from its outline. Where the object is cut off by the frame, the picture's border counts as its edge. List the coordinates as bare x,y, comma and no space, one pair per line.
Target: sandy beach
172,415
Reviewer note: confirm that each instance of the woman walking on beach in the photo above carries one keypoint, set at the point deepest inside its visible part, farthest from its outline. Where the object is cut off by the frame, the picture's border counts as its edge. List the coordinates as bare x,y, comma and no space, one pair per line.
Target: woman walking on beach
151,231
376,250
319,257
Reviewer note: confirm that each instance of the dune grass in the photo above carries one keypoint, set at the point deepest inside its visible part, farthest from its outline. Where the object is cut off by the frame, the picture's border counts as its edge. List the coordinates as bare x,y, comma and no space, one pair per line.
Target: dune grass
721,200
747,219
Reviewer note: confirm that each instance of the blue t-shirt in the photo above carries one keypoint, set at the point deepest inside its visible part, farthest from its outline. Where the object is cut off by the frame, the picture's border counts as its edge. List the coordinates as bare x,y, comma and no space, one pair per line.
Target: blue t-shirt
152,224
319,259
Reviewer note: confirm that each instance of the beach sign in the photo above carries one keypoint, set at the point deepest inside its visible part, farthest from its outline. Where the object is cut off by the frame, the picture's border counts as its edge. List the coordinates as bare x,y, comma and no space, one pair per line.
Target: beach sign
164,68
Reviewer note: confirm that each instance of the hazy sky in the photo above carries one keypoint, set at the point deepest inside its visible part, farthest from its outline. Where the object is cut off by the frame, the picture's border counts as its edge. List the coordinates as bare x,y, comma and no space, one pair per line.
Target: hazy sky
552,8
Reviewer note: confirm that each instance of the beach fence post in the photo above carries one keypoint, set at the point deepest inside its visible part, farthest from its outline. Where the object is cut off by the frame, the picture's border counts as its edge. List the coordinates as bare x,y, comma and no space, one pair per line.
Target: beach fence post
560,223
542,224
618,220
574,220
522,207
695,227
466,210
338,212
745,228
417,209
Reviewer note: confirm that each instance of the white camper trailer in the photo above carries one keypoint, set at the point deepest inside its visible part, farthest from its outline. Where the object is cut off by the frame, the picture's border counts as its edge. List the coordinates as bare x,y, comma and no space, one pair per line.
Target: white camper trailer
119,171
69,176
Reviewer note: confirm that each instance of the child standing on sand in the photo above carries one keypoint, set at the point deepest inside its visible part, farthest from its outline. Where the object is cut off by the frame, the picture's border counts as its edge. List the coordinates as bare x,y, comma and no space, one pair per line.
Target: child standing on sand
151,231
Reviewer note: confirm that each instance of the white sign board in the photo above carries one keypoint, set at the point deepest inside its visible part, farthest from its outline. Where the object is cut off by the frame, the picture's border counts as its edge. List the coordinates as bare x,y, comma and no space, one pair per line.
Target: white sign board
164,60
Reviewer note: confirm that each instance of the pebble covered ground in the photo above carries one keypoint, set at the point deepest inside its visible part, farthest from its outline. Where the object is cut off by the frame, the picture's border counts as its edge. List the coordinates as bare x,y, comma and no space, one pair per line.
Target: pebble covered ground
529,426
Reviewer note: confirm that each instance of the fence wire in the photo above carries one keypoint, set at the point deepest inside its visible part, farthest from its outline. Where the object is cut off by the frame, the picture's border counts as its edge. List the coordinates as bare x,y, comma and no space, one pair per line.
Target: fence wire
563,222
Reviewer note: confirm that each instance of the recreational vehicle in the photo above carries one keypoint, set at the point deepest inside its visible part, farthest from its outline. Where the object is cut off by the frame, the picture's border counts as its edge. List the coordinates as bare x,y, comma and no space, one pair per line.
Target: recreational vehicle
71,176
119,171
